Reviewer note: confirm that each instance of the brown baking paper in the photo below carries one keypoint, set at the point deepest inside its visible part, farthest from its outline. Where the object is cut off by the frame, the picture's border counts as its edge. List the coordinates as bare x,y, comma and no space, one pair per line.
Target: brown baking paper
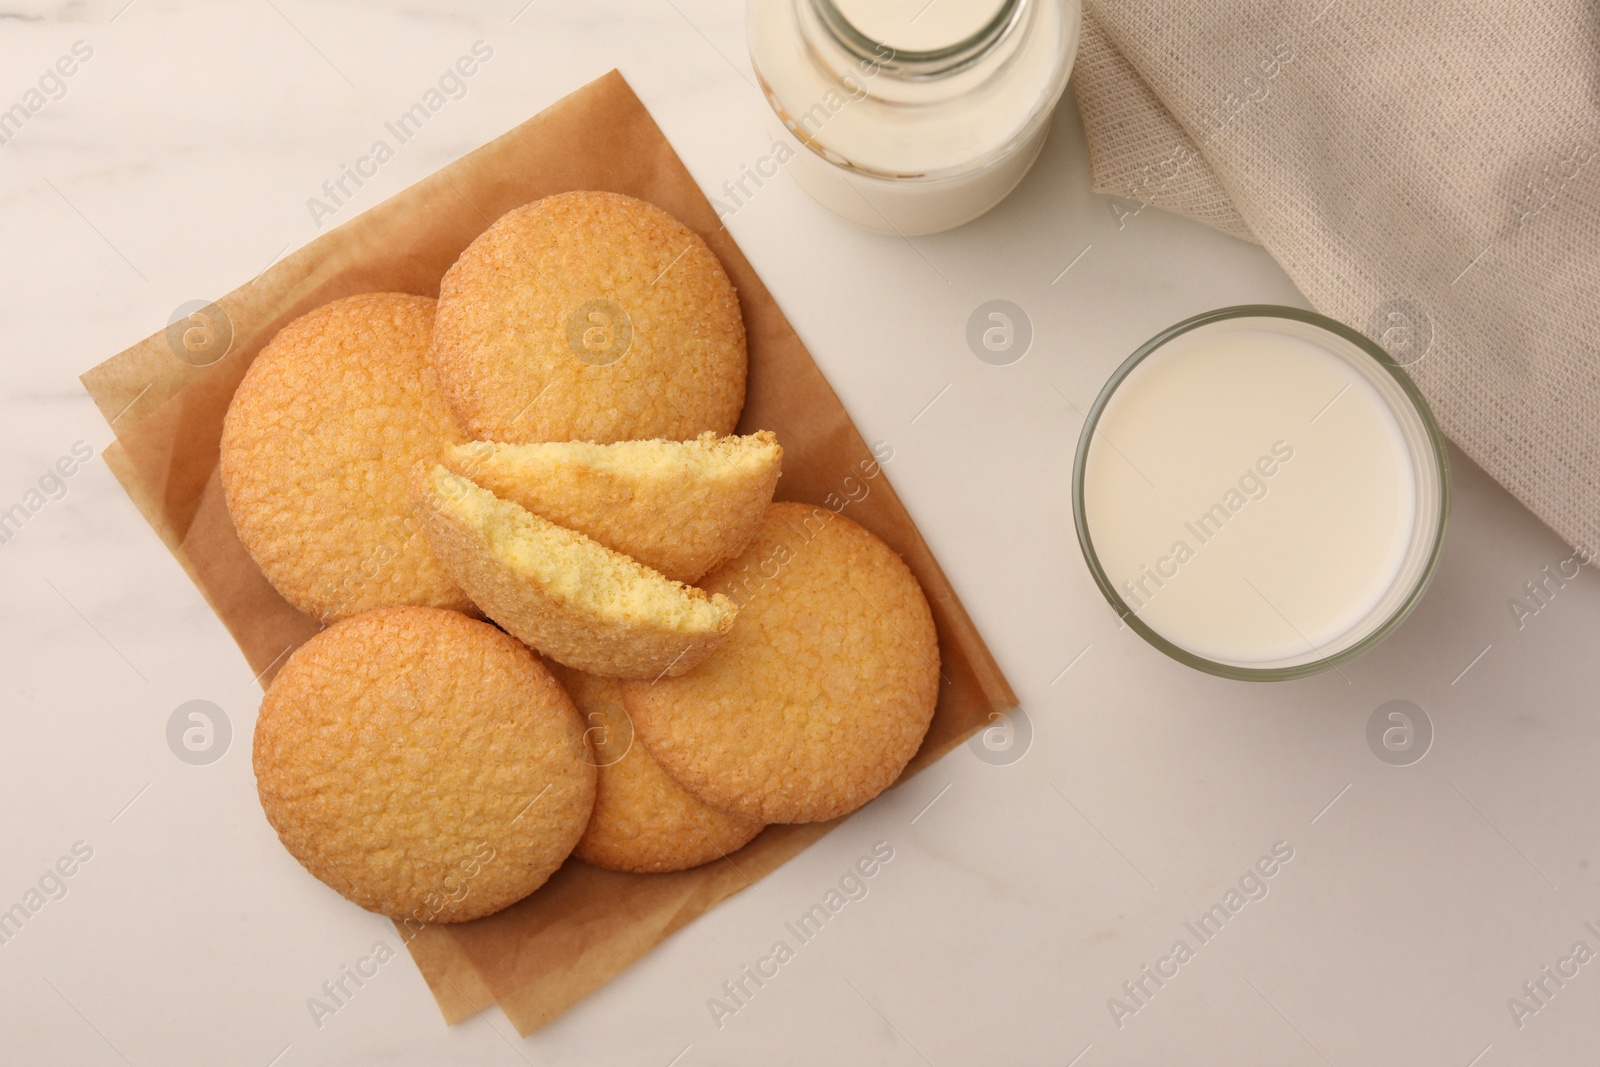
585,925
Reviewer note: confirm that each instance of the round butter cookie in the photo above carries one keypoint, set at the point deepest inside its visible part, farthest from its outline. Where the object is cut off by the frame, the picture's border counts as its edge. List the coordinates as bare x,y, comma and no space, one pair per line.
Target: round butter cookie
423,764
317,451
642,820
590,316
823,688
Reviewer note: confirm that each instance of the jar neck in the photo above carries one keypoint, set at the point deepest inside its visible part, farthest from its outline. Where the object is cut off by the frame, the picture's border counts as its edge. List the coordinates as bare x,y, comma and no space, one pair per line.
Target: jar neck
837,29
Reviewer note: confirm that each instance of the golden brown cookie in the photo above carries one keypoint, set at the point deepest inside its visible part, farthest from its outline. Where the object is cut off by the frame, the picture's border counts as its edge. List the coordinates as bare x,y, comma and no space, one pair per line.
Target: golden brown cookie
317,447
423,764
823,690
573,599
680,507
642,820
590,316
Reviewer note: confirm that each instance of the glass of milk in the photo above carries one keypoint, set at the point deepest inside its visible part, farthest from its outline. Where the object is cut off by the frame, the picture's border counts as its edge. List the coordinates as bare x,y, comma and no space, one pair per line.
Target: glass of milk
1261,493
911,116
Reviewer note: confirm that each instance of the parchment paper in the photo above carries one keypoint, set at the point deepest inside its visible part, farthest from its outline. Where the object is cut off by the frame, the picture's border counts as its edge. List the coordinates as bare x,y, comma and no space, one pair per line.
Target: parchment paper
538,957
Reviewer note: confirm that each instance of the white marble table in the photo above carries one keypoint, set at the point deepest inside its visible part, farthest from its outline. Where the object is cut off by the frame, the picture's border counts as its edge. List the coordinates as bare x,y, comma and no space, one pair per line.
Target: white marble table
1023,892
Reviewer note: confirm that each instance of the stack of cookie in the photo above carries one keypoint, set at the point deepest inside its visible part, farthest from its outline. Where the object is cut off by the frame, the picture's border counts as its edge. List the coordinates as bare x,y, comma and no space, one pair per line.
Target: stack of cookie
563,615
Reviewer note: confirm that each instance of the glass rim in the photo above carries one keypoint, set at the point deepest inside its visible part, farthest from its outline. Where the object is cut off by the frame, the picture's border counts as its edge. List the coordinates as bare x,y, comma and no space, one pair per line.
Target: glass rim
856,170
945,59
1441,464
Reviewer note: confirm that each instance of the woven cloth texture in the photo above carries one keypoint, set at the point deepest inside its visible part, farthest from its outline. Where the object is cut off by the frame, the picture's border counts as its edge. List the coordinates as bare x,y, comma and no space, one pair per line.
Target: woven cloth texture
1426,171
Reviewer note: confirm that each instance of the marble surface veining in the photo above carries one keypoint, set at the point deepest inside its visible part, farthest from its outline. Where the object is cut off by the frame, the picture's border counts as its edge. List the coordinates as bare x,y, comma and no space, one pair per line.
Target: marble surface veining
1033,888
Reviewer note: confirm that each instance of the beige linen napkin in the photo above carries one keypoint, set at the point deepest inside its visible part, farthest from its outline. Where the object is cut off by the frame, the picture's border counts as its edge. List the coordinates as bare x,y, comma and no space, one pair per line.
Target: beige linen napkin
1427,171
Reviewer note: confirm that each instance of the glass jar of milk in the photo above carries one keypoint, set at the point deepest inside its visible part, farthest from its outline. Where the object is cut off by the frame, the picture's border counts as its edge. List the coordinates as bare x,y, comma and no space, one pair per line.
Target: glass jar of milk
912,116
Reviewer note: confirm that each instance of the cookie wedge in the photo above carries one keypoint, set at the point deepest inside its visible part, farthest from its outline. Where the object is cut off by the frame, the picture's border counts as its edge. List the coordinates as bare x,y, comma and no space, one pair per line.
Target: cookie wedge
570,597
680,507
